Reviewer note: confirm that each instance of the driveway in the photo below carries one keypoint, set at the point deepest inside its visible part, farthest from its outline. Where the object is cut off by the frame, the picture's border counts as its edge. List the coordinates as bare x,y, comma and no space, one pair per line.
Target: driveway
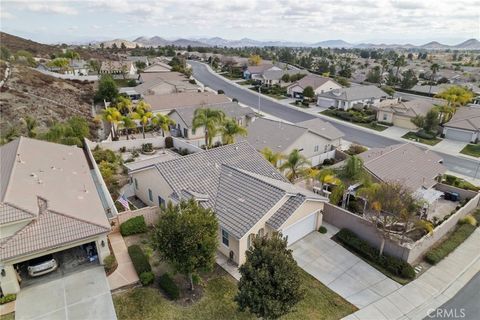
83,295
340,270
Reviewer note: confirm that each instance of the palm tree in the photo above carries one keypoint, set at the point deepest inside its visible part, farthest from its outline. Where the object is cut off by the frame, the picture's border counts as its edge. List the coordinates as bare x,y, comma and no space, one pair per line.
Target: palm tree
434,68
384,64
327,176
272,157
210,120
400,62
124,105
163,122
311,175
112,116
230,129
294,164
456,96
128,123
446,113
30,124
143,114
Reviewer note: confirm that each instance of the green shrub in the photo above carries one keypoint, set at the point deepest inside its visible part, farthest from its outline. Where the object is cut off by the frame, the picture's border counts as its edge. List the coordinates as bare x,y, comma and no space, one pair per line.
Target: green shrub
8,298
147,278
470,219
104,155
455,239
394,265
110,263
139,259
322,230
169,142
133,226
169,286
425,135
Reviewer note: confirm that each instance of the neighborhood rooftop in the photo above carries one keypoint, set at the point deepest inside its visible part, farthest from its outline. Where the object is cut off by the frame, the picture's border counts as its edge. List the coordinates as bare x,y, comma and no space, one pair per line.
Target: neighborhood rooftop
410,108
312,80
355,93
404,163
167,102
467,118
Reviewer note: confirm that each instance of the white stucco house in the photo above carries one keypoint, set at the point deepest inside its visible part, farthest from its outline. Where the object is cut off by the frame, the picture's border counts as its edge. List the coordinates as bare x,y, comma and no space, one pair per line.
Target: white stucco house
318,84
464,125
355,96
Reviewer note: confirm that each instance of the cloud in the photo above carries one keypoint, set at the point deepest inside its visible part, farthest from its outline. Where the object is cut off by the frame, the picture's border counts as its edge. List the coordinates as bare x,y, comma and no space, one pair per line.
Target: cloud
6,15
46,7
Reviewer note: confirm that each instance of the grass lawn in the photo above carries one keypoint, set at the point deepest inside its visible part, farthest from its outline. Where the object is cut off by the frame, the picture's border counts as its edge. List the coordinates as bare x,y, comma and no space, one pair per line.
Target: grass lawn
10,316
122,82
299,105
412,136
217,303
374,126
471,150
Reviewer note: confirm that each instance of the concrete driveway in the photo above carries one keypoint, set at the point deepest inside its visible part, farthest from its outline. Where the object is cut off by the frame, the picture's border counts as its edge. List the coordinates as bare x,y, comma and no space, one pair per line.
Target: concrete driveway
340,270
82,295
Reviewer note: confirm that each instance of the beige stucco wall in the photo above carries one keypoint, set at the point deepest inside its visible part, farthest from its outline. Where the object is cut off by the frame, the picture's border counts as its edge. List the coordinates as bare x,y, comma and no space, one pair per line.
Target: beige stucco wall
327,86
151,179
385,116
308,141
233,245
304,210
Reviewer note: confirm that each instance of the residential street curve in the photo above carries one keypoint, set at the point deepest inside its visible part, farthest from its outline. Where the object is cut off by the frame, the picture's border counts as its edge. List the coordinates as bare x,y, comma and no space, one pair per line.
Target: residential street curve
460,165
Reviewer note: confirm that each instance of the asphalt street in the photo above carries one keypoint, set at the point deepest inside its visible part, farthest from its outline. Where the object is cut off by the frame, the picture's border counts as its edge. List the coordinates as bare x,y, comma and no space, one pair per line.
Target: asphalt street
460,165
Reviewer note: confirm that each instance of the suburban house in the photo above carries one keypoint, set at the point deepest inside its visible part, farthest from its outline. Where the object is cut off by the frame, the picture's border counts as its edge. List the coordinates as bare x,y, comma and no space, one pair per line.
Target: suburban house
164,83
272,77
136,59
400,113
315,139
352,97
158,67
464,125
183,118
75,67
165,103
49,204
247,194
256,72
318,84
146,77
412,166
118,68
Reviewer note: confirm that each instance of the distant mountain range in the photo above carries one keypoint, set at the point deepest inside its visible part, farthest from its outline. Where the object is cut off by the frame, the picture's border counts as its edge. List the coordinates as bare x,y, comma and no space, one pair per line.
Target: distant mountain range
471,44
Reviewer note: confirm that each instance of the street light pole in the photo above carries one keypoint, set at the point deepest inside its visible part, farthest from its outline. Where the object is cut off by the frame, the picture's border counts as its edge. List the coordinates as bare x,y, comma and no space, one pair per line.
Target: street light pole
259,92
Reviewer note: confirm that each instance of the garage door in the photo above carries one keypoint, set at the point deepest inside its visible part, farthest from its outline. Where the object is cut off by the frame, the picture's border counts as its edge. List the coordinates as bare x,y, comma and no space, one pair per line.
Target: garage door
301,228
458,135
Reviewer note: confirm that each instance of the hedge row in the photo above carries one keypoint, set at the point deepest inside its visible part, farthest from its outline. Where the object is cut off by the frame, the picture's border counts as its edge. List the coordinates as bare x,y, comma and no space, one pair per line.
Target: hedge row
139,259
169,286
461,233
133,226
394,265
8,298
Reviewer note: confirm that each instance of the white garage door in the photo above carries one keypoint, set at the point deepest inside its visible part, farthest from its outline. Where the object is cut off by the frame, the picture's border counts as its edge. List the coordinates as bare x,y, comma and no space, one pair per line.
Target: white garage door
301,228
458,135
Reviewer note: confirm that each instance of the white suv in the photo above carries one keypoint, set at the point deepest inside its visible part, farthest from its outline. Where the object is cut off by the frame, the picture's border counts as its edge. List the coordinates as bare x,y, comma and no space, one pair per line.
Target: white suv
42,265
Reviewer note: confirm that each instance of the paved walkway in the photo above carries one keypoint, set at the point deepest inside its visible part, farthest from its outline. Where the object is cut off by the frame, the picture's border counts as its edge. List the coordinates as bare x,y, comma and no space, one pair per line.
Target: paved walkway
432,289
231,268
81,295
340,270
125,274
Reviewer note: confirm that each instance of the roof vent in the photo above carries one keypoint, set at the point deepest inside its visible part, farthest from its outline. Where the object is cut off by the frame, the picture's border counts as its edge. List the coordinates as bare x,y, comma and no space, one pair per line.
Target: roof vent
20,159
33,175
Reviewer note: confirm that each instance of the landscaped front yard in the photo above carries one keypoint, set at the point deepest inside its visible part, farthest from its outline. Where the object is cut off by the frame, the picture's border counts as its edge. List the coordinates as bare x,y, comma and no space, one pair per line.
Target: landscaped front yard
412,136
358,117
471,150
217,302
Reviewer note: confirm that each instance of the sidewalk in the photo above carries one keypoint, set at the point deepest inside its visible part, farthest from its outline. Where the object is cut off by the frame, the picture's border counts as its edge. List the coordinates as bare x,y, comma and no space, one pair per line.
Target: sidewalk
125,274
431,289
450,147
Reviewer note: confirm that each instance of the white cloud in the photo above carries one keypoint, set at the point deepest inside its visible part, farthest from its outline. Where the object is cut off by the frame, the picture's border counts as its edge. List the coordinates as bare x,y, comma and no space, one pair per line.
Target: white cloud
50,7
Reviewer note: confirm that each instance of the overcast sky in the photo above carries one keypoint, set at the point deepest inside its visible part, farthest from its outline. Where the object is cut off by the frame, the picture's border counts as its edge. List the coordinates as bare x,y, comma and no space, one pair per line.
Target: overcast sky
392,21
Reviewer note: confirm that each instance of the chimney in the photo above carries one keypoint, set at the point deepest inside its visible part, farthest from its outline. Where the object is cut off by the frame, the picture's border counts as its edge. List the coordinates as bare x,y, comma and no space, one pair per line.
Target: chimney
42,205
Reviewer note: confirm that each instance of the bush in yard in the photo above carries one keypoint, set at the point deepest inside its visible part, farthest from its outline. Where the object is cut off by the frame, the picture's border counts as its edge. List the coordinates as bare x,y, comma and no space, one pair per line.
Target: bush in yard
220,91
425,135
110,263
455,239
322,230
133,226
8,298
147,278
139,259
169,142
169,286
394,265
469,220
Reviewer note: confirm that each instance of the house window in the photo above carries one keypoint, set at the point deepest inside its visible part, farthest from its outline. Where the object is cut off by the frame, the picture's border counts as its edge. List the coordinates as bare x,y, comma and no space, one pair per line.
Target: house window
225,238
136,183
384,117
261,232
161,202
315,149
250,238
150,195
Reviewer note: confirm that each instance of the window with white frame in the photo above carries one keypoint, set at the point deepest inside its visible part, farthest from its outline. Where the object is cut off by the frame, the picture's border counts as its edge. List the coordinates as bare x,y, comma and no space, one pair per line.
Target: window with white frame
225,239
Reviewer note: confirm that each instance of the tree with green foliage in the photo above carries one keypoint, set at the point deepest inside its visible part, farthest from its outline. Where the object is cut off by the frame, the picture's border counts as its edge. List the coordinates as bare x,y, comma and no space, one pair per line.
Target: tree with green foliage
342,81
434,68
389,90
62,63
127,123
186,237
25,57
272,157
399,62
113,117
210,120
456,96
309,92
409,79
95,65
107,89
30,124
294,163
71,132
270,286
143,114
230,129
124,105
374,75
163,122
5,53
353,170
286,77
431,121
70,54
446,113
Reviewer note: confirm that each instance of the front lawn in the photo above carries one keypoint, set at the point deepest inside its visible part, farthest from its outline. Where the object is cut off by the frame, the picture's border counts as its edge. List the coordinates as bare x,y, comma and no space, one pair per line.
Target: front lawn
373,125
358,117
217,302
413,136
471,150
